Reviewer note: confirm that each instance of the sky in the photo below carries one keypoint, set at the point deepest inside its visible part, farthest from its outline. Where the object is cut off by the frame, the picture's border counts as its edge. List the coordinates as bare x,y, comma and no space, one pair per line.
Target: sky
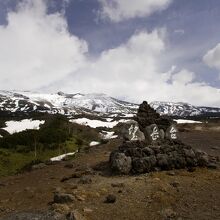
154,50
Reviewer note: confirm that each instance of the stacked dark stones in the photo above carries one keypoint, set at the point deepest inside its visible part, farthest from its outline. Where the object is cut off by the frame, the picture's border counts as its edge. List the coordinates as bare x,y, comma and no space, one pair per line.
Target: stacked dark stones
163,152
138,157
147,116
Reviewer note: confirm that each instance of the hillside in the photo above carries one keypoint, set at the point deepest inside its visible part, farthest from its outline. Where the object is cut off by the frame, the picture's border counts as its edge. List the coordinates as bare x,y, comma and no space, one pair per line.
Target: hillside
178,194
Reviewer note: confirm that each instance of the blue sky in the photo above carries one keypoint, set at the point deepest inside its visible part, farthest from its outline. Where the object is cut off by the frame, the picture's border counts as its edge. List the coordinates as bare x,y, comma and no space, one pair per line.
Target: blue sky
180,40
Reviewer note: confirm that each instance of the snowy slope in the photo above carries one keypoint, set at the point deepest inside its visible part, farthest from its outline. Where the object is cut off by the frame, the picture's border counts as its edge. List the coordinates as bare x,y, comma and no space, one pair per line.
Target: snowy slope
181,109
94,104
64,103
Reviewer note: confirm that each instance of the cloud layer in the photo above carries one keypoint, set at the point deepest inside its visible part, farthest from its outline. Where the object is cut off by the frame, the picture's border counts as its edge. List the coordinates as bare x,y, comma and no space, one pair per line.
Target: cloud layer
212,57
132,71
118,10
37,51
36,48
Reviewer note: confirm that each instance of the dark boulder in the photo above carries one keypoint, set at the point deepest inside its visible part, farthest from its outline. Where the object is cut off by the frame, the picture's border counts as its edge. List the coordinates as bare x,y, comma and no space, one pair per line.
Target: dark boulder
172,132
152,133
162,161
120,163
141,165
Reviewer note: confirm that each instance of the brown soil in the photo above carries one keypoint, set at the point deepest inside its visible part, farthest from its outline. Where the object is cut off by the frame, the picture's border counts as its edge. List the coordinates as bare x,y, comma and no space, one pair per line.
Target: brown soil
160,195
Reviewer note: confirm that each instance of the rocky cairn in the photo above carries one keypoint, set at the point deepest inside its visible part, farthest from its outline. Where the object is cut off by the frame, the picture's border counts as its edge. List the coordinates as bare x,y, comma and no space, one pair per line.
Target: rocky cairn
161,149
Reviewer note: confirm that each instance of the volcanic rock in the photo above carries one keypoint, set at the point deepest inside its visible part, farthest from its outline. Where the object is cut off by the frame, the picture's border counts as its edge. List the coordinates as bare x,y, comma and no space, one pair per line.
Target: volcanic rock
63,198
85,180
74,215
152,133
172,132
130,131
147,116
120,163
161,149
140,157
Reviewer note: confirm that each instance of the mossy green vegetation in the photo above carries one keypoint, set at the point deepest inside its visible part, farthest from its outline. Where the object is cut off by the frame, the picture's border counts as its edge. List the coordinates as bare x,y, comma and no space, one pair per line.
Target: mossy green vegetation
57,136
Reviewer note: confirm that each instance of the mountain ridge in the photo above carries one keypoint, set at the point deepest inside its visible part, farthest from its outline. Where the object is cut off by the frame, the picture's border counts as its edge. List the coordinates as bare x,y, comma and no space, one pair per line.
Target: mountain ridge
92,103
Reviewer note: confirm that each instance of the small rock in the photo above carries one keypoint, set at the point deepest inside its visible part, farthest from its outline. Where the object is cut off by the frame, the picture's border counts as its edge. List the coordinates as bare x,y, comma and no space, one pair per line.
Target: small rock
169,213
60,208
120,185
38,166
212,166
175,184
63,198
27,189
203,160
80,198
171,173
74,215
50,162
87,210
73,186
110,199
191,169
2,184
58,190
69,165
77,174
85,180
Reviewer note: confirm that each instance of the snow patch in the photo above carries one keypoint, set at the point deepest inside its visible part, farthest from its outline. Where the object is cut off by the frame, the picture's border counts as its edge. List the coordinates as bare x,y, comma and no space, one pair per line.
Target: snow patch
18,126
94,143
97,123
61,157
184,121
108,135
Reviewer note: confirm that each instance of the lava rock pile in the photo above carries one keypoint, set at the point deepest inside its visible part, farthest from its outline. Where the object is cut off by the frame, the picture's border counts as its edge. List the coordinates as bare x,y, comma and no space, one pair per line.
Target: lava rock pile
161,149
138,157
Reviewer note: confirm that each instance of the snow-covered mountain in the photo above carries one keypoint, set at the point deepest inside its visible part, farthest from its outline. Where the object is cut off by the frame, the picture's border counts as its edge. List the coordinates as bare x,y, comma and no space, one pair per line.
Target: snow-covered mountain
182,109
98,104
70,104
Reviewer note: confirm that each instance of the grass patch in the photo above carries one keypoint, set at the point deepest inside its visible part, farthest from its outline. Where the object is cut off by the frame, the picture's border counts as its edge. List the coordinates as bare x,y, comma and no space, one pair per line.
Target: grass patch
57,136
12,162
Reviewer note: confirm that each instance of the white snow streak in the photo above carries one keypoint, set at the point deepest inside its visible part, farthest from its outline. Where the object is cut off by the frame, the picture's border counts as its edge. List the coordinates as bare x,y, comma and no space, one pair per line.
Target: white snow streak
183,121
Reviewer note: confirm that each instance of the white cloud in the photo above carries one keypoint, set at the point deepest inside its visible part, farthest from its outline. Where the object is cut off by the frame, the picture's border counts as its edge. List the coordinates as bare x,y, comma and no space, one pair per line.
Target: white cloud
212,57
36,47
183,77
38,51
118,10
132,70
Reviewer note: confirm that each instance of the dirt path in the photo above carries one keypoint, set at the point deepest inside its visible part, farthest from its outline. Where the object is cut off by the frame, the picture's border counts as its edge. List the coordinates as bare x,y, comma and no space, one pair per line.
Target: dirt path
161,195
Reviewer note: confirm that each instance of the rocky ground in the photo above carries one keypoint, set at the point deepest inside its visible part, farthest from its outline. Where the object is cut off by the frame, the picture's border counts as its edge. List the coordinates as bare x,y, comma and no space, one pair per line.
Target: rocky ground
85,189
